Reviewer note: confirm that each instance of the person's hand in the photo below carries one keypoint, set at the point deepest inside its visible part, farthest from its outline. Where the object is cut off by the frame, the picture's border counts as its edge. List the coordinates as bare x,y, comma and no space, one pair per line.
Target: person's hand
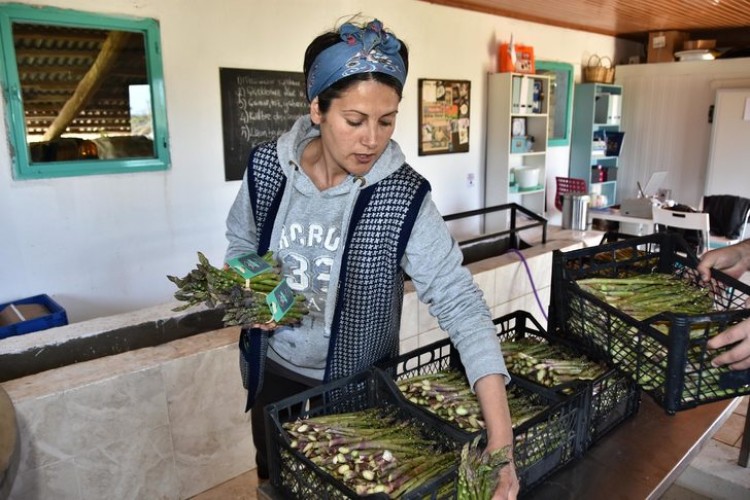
733,260
494,402
507,486
738,357
265,326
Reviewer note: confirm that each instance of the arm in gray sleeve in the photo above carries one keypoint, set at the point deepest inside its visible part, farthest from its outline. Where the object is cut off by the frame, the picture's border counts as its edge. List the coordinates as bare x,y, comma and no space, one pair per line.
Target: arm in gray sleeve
241,231
433,260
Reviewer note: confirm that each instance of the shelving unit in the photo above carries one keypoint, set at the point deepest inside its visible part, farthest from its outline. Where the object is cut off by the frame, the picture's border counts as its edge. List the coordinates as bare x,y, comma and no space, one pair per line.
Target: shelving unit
514,97
597,111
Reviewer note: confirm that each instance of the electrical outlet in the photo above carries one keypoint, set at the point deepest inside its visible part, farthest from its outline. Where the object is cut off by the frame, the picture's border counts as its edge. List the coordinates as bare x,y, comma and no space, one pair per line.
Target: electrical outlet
470,180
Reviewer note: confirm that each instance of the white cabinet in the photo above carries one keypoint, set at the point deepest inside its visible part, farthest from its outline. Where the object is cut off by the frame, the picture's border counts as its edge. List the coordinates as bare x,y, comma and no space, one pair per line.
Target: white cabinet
596,137
516,143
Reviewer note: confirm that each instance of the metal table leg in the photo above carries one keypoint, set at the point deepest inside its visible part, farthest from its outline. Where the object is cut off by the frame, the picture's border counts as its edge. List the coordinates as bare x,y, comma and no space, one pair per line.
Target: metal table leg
745,447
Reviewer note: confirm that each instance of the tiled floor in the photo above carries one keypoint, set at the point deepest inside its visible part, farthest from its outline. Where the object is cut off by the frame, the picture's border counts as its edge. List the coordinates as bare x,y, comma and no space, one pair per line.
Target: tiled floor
244,487
715,473
731,432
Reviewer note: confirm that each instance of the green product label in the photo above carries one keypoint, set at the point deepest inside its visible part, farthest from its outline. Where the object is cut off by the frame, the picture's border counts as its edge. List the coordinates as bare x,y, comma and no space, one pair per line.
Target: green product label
249,265
280,300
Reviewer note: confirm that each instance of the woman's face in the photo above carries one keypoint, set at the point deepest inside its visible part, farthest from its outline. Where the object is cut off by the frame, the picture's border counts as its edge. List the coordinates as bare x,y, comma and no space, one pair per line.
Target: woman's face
357,127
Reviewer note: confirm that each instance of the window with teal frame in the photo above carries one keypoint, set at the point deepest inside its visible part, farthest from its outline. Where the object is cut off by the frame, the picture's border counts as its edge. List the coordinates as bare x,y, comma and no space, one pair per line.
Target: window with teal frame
561,100
83,92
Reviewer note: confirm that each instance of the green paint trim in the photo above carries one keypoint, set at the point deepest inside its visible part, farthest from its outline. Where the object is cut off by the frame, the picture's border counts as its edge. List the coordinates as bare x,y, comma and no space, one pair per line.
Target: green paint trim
22,167
561,67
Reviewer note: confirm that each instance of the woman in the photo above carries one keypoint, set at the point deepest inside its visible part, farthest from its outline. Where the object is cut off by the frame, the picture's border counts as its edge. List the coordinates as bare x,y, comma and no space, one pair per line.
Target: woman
346,217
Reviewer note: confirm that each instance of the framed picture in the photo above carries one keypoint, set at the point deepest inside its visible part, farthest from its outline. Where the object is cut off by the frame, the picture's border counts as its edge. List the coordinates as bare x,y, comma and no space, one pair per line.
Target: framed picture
444,112
518,126
561,100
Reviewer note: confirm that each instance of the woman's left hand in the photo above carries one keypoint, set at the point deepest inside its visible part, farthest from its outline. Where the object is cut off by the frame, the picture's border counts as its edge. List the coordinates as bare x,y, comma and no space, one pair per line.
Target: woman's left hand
507,486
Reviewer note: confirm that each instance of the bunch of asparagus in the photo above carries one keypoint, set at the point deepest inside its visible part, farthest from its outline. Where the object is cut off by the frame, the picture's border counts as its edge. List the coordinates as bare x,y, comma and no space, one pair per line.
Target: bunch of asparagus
549,365
646,295
643,296
447,394
370,451
478,472
243,301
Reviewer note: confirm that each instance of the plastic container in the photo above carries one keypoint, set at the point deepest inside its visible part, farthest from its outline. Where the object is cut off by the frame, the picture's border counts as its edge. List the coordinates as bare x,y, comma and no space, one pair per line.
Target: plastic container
294,476
674,367
527,177
609,400
538,449
56,316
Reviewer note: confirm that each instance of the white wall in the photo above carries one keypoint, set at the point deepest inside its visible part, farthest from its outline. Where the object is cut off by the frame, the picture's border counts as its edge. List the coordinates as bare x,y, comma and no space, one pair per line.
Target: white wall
665,119
102,245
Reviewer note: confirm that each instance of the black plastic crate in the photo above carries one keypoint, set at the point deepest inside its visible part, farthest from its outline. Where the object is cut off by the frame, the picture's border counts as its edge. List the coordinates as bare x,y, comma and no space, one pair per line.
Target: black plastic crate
674,367
609,399
539,450
294,476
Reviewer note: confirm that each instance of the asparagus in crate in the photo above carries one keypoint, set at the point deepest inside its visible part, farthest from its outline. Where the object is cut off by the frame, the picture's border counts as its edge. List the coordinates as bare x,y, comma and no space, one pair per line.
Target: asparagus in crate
646,295
549,365
243,300
447,394
643,297
370,451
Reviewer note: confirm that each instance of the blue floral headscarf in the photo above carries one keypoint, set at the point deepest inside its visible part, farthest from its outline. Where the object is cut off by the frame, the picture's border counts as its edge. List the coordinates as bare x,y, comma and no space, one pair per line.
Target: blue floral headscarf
361,50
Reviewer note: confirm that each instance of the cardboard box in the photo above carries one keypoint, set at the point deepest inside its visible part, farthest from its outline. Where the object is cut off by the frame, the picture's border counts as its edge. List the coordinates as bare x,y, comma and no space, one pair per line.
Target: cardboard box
13,314
663,44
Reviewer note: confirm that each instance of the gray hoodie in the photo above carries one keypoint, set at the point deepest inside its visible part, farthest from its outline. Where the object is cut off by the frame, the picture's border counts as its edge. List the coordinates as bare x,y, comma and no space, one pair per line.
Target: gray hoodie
308,236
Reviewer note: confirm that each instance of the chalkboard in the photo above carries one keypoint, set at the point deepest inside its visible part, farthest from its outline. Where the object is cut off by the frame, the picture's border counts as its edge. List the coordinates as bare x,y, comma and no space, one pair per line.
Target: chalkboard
256,106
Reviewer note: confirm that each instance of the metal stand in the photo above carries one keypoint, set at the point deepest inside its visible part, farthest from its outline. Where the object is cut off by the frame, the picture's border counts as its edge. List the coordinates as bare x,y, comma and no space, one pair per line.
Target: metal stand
745,447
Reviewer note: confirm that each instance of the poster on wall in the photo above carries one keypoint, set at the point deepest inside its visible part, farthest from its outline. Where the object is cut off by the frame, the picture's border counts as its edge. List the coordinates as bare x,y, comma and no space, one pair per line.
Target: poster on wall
444,111
256,106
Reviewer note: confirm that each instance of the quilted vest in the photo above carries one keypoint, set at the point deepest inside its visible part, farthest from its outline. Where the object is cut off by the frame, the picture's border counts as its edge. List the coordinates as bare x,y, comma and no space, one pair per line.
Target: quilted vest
367,317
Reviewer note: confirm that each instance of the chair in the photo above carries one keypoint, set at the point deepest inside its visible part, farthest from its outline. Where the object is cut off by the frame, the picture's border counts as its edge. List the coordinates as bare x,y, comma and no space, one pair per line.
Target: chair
697,221
729,216
568,185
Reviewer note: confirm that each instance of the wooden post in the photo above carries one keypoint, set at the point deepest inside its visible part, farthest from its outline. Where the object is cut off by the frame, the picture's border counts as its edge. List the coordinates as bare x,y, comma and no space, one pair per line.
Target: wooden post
89,84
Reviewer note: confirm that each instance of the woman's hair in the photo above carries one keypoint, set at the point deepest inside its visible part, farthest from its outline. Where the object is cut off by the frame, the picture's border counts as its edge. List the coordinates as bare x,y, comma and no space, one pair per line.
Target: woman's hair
330,38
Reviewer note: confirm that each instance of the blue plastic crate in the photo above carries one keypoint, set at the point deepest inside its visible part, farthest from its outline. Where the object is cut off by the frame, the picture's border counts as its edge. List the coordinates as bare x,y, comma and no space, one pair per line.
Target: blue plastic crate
56,317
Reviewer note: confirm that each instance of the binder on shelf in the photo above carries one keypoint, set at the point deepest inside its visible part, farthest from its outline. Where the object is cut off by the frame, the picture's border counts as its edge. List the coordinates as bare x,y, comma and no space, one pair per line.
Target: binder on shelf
516,99
608,109
536,96
524,99
615,110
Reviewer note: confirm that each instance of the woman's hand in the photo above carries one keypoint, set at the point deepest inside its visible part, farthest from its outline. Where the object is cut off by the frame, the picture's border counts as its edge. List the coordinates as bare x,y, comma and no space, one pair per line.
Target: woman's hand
507,485
494,402
265,326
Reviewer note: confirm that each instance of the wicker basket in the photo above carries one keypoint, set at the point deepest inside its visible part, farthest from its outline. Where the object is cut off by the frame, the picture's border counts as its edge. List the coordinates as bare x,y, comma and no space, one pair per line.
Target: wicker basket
597,72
